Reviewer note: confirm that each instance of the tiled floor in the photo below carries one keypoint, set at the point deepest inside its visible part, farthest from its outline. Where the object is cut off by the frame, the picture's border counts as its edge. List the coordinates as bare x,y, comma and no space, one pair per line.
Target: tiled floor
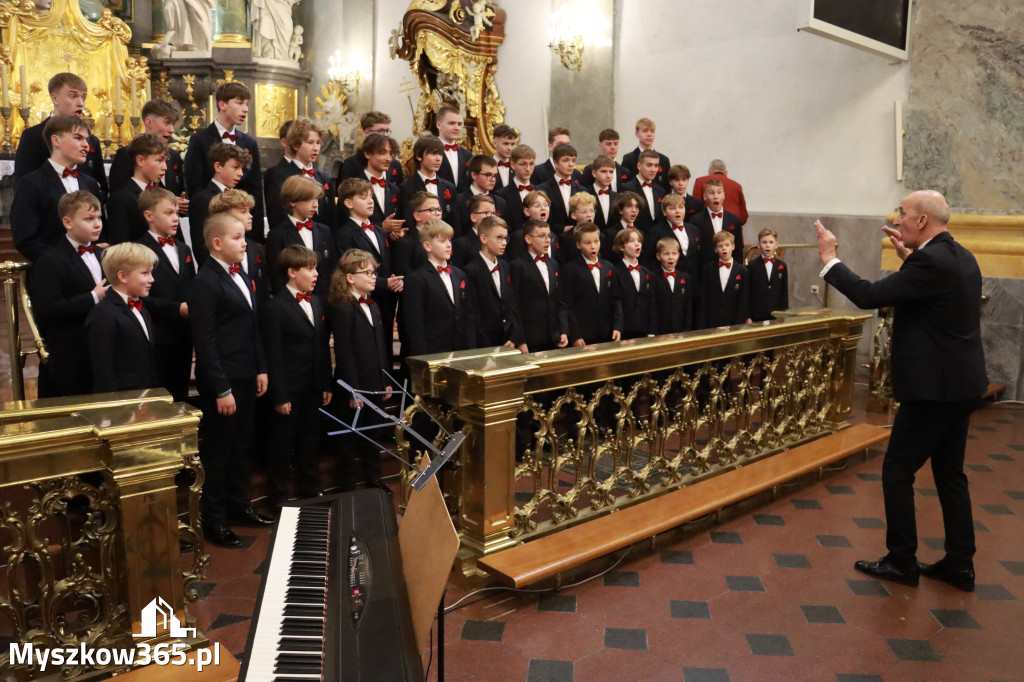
767,595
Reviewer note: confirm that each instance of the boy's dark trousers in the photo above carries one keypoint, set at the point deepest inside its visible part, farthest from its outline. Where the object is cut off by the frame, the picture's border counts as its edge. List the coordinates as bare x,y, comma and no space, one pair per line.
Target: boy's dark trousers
297,433
224,453
174,368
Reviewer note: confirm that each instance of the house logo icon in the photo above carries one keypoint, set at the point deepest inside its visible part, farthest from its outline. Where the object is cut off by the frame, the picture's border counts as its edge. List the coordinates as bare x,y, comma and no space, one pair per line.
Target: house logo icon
160,612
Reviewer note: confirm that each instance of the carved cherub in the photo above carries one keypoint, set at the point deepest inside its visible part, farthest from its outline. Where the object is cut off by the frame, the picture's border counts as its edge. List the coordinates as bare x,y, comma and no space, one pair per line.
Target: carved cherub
481,12
295,46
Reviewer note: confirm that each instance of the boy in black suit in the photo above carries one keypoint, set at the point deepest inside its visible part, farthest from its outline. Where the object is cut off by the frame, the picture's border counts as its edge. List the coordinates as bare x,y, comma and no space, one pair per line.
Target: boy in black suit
167,300
303,139
523,159
608,146
232,100
543,172
561,187
300,195
465,248
296,338
714,219
376,156
635,285
769,278
601,186
645,132
455,162
67,92
429,154
725,288
537,288
483,171
407,254
229,163
673,290
438,314
679,179
536,206
65,284
582,209
36,223
592,292
625,210
490,285
118,329
231,372
645,184
505,138
159,118
686,234
372,123
239,204
124,219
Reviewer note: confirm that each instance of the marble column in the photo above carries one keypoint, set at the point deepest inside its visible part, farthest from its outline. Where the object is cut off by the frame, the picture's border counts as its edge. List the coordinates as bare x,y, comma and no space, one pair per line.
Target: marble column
159,24
230,23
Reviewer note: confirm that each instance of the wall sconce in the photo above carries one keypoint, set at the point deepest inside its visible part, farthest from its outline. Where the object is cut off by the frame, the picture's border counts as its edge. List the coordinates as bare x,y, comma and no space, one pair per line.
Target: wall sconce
347,80
567,44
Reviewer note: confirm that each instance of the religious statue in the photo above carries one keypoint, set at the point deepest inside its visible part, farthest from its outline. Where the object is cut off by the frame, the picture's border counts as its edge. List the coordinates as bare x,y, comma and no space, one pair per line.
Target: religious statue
189,27
295,47
481,12
272,25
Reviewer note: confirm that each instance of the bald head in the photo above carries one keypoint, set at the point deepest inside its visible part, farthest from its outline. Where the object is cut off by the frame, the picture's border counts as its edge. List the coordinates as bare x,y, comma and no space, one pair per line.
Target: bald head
932,204
921,216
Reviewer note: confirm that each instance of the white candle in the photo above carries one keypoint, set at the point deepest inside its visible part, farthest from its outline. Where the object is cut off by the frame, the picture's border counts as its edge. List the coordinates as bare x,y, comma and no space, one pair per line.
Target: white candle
117,96
24,86
3,83
133,97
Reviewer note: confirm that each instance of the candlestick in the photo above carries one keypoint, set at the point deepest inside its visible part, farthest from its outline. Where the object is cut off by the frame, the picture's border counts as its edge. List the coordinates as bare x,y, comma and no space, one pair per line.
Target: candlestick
3,84
5,110
119,120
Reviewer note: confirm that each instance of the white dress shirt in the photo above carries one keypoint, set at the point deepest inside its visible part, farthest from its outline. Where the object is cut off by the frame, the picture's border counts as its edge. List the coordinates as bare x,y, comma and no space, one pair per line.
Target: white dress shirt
684,240
237,279
495,274
446,278
503,171
136,313
378,191
648,195
306,235
221,130
70,182
671,280
370,234
565,191
716,223
92,263
768,265
543,268
635,274
453,161
595,273
306,306
431,186
723,273
603,199
169,251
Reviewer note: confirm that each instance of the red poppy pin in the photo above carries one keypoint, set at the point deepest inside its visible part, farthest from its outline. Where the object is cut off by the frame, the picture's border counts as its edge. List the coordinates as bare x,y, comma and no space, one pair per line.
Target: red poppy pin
508,279
608,274
738,277
254,286
781,266
90,149
682,280
659,199
394,171
174,167
326,186
259,258
625,177
647,277
323,317
394,200
188,259
447,194
659,169
386,242
462,284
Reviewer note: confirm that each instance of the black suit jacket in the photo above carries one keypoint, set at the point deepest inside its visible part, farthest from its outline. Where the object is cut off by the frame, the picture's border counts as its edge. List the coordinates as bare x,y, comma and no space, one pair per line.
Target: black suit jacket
284,235
353,166
256,264
514,215
717,308
392,204
125,222
169,290
33,152
673,307
361,352
542,311
690,262
465,248
122,167
199,171
730,223
35,223
559,216
937,352
273,180
644,221
593,313
630,160
461,178
693,206
543,172
298,351
621,176
463,221
767,294
433,322
602,219
225,331
638,313
446,196
352,236
198,212
407,253
497,315
120,351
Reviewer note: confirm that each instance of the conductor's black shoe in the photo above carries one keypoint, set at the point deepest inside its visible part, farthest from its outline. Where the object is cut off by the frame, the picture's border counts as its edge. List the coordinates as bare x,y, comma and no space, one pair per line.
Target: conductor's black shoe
251,517
377,483
960,578
222,536
885,569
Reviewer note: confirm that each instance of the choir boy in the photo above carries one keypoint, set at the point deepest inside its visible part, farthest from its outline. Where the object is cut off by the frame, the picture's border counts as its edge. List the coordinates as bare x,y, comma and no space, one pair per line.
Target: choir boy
455,161
376,154
645,132
608,146
646,185
466,247
505,138
673,290
714,219
523,160
537,288
725,288
636,285
582,209
602,180
543,172
591,292
483,171
159,118
428,153
239,204
676,227
229,167
562,185
372,123
303,139
300,196
490,285
407,252
769,278
679,180
625,210
125,221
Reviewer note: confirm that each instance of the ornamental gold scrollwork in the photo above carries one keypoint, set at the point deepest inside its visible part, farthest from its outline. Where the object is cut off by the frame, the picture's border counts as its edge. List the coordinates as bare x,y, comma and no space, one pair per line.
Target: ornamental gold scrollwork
276,104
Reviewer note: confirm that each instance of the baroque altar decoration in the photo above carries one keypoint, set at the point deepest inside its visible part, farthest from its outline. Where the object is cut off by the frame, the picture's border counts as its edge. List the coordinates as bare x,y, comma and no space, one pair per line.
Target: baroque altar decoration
452,47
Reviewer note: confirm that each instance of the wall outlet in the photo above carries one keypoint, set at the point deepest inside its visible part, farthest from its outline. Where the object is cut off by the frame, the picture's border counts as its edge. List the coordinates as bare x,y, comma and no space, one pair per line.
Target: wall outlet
815,289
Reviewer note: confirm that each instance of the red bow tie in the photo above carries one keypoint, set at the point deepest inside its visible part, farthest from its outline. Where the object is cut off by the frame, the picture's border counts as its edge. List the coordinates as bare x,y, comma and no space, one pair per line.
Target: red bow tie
679,228
299,296
308,172
378,181
84,249
630,227
669,274
444,268
603,191
135,303
716,215
235,269
504,164
769,260
431,181
228,136
165,241
540,259
73,172
366,300
646,184
723,264
565,182
495,269
525,188
633,268
367,226
451,147
308,224
594,266
152,185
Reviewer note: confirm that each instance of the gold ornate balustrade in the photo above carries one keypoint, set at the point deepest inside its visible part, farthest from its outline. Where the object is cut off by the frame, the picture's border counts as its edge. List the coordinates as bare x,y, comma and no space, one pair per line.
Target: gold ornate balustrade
89,530
610,425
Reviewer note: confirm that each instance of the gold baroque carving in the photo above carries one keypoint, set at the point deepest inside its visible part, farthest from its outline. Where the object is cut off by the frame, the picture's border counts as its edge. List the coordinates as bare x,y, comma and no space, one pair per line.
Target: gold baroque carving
276,104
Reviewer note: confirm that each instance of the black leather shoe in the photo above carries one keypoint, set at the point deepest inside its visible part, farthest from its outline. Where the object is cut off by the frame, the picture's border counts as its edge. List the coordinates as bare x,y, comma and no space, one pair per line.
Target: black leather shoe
960,578
251,517
377,483
221,536
887,570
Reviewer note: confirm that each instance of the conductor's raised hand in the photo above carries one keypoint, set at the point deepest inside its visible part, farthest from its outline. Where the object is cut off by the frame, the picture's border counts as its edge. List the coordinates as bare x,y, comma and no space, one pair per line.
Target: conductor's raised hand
826,242
897,242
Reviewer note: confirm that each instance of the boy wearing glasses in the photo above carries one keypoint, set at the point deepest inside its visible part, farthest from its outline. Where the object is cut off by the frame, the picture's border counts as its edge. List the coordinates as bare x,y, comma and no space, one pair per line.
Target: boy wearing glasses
490,288
538,293
483,171
407,254
466,247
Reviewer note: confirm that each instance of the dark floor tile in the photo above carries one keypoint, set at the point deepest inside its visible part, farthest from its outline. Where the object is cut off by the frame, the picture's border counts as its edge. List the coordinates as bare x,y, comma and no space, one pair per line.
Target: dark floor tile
870,477
983,429
202,589
705,675
1015,567
867,588
726,537
993,593
622,579
1001,457
792,561
744,583
542,670
840,489
522,497
822,614
840,677
1003,421
913,650
1018,448
832,541
561,603
689,609
997,509
625,638
807,504
927,492
980,468
769,645
868,522
936,544
1015,494
768,520
955,618
980,527
224,620
677,556
483,630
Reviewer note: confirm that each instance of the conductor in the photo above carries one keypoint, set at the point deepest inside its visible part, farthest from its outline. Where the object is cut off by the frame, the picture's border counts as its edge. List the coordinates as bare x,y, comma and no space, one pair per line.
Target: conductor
938,377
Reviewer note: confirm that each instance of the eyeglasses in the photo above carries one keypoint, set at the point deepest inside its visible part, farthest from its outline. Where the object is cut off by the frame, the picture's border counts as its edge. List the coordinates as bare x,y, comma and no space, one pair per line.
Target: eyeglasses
436,210
386,131
486,214
371,273
488,175
501,239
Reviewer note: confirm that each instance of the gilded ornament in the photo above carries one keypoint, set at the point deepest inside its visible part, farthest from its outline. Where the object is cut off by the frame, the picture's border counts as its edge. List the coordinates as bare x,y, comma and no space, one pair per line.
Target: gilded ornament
276,104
